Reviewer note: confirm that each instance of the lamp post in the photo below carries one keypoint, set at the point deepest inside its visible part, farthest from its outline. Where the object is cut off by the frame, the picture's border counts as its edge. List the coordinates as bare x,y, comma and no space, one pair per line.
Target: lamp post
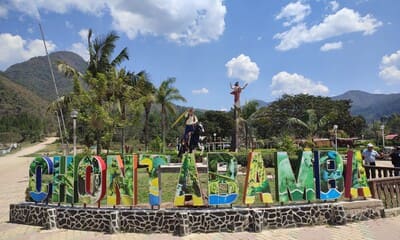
74,115
335,128
215,139
383,135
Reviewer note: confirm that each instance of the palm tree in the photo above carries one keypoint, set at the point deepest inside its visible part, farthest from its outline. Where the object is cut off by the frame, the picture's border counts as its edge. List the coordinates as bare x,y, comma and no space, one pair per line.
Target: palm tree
246,117
104,84
101,50
148,91
165,94
312,124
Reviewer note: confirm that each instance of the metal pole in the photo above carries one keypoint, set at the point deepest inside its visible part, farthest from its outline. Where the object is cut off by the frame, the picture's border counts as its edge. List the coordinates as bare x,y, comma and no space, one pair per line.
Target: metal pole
336,140
383,135
335,128
74,116
74,126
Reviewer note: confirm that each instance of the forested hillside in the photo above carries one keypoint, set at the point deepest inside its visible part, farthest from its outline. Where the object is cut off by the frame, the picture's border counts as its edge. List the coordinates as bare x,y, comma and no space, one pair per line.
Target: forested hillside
35,74
22,113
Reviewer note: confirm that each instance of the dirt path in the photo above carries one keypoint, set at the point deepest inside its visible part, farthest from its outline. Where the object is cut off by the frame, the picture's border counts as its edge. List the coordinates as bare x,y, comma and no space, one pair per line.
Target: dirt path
14,176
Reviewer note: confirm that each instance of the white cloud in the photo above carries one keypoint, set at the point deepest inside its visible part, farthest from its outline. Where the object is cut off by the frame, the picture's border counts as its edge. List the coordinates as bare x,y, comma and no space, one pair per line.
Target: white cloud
342,22
30,30
331,46
32,8
242,68
294,13
390,68
3,11
80,49
334,5
200,91
286,83
183,22
83,33
13,49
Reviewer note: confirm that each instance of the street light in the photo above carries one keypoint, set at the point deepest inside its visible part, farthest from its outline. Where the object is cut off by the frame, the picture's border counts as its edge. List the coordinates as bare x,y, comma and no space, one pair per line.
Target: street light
215,139
335,128
74,115
383,135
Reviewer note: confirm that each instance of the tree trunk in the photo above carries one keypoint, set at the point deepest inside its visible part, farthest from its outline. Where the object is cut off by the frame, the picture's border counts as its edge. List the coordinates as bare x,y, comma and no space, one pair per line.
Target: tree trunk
147,108
123,129
163,120
98,143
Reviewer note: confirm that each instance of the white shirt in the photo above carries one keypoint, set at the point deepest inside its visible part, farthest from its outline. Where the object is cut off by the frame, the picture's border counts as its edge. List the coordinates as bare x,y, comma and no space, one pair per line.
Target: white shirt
370,156
190,120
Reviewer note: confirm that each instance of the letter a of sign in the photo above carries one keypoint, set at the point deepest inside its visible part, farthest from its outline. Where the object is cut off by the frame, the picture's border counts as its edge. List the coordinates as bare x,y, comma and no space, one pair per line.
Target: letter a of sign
356,183
188,182
120,180
256,180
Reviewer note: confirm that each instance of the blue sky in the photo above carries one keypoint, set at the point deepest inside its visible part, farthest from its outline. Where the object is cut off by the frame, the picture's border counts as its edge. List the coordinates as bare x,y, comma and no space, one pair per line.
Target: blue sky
318,47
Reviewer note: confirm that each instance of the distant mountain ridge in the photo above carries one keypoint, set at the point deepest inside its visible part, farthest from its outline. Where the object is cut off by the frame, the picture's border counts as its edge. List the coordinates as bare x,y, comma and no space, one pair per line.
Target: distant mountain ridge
35,74
371,106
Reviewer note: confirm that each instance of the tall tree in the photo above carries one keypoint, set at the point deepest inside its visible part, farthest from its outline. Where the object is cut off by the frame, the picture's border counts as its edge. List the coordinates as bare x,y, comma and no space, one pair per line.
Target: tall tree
165,95
147,91
101,50
312,124
104,85
247,111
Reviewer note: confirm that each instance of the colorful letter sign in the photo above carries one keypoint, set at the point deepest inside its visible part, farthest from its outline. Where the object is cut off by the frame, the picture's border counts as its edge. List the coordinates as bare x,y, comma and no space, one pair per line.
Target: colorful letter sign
153,162
41,179
65,179
120,180
288,187
328,167
256,180
91,180
222,185
356,180
188,182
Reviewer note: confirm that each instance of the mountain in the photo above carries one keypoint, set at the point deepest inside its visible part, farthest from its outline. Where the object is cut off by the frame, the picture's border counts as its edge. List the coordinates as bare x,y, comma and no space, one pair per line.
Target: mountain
35,74
16,99
371,106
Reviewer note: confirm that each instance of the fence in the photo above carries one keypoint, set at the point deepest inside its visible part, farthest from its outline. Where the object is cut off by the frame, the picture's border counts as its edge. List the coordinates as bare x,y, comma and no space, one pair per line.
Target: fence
384,183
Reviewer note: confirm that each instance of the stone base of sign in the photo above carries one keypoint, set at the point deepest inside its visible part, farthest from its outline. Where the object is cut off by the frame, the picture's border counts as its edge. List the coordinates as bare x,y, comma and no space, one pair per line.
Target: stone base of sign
183,221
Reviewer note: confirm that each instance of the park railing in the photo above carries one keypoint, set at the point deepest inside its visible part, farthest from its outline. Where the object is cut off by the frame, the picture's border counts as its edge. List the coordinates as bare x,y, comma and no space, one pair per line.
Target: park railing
384,183
387,190
374,172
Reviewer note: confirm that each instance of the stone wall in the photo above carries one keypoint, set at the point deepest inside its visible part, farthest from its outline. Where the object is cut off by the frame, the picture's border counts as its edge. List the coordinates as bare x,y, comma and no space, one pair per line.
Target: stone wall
183,221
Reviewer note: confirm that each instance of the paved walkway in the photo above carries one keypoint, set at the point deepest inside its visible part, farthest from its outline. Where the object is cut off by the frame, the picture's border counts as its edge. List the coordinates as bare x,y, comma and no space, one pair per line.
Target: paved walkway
14,178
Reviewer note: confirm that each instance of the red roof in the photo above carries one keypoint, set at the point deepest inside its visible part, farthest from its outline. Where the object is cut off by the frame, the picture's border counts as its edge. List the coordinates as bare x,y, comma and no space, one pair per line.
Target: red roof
391,136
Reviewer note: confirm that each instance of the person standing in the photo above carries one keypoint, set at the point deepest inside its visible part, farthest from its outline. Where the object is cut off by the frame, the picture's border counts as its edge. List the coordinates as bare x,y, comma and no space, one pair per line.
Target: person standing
395,156
236,90
370,155
190,121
